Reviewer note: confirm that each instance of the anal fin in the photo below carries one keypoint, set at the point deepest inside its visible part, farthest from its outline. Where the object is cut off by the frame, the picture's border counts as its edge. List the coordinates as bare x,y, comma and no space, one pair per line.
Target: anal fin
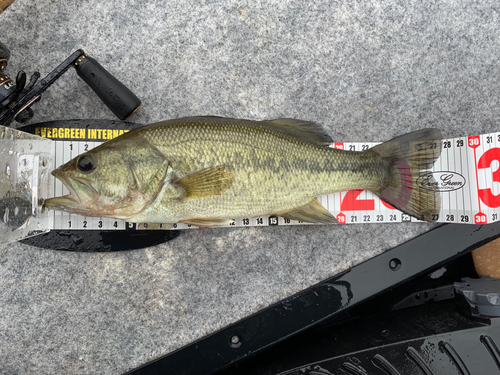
312,212
208,222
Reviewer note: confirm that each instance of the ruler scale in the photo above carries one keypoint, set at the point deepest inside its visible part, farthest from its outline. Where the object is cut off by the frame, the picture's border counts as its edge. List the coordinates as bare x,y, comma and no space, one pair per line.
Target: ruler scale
467,174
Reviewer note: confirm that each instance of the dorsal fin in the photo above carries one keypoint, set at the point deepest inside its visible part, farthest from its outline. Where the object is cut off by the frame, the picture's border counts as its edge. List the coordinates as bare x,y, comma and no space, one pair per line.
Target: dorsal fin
305,130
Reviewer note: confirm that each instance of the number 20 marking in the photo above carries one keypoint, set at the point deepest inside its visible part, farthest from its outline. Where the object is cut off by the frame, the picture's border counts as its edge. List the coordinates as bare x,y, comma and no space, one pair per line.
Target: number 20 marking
350,202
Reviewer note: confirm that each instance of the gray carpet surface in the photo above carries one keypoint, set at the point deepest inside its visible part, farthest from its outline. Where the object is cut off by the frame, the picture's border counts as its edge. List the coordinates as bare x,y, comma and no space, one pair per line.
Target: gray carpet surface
364,71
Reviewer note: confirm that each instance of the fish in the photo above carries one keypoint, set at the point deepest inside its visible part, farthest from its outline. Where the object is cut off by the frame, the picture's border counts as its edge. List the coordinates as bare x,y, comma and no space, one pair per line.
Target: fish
208,171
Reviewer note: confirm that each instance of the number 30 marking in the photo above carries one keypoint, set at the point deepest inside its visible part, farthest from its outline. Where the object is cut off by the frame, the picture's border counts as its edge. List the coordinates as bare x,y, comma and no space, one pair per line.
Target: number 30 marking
485,161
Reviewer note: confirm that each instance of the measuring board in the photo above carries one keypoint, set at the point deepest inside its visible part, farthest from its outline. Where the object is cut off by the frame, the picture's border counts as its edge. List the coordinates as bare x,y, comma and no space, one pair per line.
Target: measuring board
467,177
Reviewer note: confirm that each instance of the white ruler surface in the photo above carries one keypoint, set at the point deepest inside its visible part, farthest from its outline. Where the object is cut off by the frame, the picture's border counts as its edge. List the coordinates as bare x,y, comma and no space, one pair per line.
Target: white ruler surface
467,175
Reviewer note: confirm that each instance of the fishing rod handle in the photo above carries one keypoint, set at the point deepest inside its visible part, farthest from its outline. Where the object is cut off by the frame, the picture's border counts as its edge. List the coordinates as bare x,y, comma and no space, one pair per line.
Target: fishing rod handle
117,97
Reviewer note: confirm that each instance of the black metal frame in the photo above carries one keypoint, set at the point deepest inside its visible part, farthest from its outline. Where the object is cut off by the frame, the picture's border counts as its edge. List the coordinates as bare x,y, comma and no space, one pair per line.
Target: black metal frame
325,300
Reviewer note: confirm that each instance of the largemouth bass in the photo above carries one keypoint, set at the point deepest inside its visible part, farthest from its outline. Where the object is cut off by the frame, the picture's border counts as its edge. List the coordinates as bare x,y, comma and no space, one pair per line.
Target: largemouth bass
208,171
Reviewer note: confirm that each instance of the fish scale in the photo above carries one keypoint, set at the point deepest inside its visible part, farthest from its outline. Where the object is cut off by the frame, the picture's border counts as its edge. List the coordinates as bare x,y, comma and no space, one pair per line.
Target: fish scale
280,172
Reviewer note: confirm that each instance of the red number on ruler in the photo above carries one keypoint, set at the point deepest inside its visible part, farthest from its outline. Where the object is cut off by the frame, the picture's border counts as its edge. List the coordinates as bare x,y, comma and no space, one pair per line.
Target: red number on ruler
339,146
351,203
474,141
485,161
480,218
341,218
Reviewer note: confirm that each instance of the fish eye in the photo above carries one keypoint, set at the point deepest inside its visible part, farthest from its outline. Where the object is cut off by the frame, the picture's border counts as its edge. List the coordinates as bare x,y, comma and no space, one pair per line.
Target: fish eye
85,163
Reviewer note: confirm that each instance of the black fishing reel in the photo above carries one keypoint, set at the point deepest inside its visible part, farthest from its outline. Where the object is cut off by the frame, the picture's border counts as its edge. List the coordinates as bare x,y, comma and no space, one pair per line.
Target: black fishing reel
16,97
9,90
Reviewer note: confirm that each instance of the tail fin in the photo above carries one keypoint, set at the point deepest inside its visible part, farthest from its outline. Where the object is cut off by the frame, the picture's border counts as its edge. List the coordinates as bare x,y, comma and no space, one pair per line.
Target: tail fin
408,157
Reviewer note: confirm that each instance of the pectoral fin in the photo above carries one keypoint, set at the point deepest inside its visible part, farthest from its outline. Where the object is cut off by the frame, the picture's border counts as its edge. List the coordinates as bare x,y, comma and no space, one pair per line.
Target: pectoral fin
312,212
207,182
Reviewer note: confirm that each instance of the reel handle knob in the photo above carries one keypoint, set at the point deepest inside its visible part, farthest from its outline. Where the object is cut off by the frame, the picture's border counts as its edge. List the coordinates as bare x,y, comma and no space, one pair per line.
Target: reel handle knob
117,97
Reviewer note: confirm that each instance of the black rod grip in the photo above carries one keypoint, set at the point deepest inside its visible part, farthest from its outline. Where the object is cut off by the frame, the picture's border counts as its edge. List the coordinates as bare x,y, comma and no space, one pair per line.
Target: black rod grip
117,97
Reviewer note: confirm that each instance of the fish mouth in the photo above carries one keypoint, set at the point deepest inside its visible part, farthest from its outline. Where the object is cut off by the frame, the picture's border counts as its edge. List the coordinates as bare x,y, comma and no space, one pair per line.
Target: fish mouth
86,197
